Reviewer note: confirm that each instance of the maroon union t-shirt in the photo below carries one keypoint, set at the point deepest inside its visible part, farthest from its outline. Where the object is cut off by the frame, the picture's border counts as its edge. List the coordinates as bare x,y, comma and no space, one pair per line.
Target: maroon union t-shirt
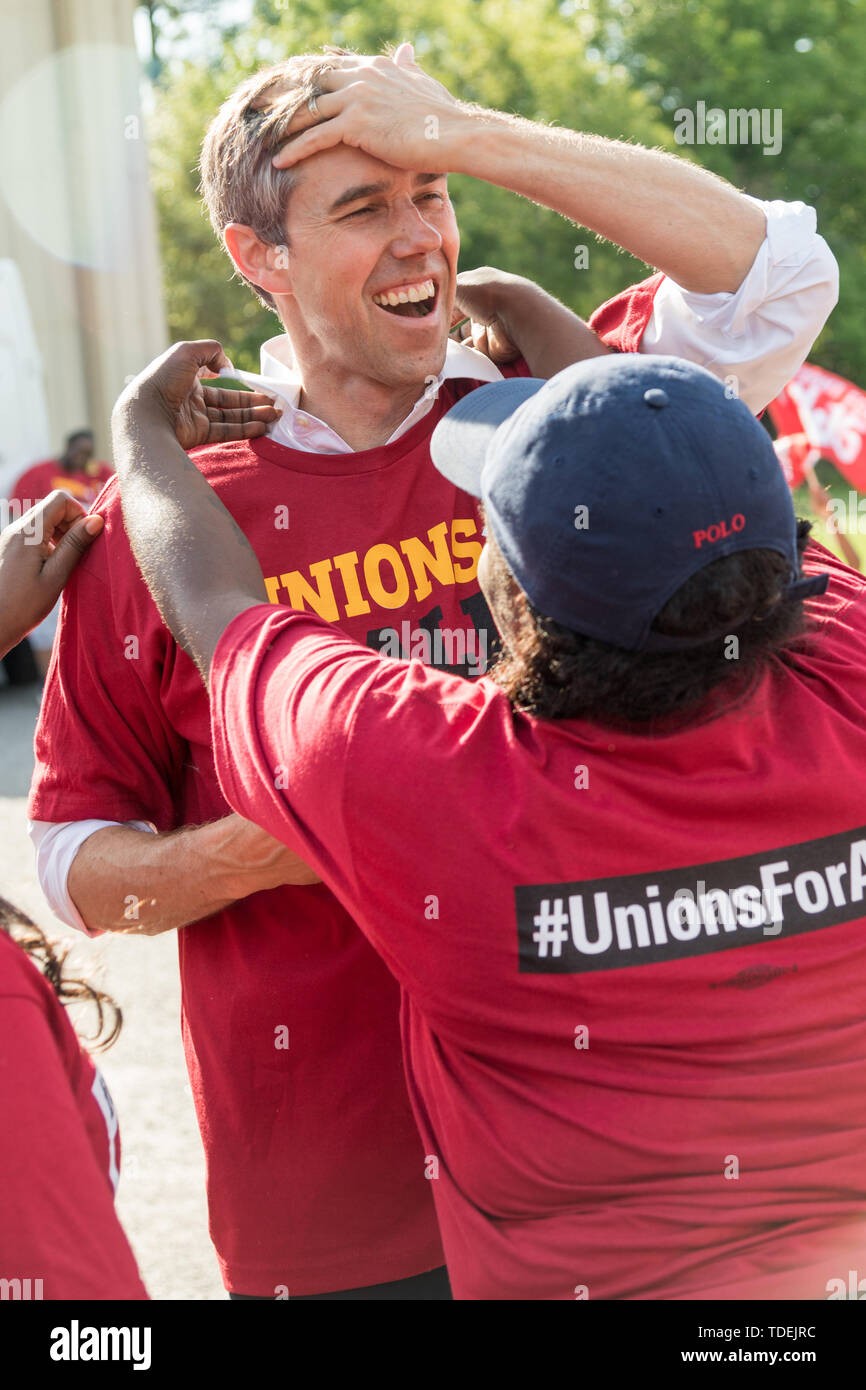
634,967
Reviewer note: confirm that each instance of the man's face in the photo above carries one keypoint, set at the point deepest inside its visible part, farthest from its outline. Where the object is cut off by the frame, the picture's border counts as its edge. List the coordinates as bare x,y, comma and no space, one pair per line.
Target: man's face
358,228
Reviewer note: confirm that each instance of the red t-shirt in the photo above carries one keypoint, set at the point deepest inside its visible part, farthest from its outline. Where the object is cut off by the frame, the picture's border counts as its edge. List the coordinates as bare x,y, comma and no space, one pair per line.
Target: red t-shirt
84,484
59,1151
315,1170
622,1093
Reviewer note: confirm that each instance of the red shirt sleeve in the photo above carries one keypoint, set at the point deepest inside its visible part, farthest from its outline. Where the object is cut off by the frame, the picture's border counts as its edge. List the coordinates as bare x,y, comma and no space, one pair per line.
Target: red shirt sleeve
104,747
59,1224
622,321
282,698
286,691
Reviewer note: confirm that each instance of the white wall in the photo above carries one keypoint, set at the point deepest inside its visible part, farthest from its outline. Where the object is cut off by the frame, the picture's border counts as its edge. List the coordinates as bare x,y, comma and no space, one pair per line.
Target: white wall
76,214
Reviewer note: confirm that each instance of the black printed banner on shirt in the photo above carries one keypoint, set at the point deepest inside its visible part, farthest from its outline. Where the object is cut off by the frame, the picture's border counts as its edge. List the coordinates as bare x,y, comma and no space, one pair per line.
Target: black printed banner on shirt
612,923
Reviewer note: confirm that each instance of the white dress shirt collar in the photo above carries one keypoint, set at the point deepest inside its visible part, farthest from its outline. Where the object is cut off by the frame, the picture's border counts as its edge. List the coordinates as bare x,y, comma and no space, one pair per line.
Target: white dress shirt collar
296,429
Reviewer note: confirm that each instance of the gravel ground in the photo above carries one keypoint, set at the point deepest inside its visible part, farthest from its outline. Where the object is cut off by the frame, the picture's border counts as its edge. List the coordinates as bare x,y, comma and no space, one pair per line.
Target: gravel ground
161,1200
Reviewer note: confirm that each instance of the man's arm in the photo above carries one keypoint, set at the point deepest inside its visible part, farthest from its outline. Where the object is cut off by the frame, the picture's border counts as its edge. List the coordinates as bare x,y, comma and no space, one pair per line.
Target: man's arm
127,880
668,212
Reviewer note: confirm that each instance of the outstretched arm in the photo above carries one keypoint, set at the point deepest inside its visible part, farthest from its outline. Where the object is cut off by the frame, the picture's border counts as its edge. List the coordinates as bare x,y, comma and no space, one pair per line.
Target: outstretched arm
196,561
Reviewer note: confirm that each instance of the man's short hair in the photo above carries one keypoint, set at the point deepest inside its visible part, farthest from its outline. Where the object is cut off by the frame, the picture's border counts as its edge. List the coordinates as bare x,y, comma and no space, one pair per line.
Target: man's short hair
238,181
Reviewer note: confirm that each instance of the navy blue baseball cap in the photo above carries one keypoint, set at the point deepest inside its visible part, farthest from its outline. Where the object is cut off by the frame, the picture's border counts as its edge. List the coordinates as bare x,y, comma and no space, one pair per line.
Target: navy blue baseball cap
612,483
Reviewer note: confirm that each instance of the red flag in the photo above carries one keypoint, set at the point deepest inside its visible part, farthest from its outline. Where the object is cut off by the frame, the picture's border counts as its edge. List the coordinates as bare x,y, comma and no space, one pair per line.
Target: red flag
831,413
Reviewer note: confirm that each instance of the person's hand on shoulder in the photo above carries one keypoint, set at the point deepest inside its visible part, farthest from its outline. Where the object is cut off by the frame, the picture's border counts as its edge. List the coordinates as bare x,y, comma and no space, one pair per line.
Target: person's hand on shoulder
202,410
509,316
37,555
480,309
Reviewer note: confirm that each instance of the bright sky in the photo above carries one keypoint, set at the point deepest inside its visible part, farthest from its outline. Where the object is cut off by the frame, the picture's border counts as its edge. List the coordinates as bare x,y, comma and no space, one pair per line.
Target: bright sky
200,29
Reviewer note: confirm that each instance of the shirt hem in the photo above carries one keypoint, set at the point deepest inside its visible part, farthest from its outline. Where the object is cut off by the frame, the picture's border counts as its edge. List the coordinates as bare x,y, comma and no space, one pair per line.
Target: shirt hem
249,1280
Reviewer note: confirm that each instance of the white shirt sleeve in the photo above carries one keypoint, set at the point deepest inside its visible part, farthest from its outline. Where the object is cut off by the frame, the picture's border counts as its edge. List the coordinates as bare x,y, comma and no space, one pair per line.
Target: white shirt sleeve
763,332
56,846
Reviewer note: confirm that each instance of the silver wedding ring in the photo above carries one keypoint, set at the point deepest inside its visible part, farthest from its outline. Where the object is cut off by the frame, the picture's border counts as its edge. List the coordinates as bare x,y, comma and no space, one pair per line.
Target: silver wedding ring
313,106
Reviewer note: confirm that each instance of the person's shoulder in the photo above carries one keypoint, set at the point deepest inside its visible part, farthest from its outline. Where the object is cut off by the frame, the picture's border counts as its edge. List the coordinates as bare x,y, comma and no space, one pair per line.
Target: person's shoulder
43,1015
846,586
20,978
439,711
222,463
219,463
837,618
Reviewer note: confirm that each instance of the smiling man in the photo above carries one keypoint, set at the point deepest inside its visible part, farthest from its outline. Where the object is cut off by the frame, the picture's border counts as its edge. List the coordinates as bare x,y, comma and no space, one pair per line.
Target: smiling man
317,1181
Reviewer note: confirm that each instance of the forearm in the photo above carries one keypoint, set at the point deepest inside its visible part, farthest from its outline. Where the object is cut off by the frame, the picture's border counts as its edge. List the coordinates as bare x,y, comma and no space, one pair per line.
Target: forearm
549,336
130,881
668,212
195,559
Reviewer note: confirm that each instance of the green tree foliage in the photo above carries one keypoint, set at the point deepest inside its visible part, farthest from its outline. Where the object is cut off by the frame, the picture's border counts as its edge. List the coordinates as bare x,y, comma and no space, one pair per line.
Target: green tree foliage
805,58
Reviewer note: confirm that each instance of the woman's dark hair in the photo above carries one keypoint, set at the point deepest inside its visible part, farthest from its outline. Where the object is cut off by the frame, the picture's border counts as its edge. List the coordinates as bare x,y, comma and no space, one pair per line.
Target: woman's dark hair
555,673
49,957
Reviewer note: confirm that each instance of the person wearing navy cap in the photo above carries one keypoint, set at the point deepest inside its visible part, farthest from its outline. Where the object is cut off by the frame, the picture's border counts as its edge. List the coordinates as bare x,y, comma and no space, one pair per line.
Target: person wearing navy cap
620,878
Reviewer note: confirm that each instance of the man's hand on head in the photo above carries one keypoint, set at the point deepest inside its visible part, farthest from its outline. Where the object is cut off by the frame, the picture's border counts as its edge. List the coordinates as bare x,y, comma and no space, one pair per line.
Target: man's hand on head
388,107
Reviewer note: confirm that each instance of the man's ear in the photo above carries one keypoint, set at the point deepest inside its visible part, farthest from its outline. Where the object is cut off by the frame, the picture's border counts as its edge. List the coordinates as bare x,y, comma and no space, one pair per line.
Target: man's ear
260,261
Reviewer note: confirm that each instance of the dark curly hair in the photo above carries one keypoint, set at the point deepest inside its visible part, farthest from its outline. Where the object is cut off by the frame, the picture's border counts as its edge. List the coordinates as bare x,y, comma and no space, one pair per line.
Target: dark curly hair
554,673
49,957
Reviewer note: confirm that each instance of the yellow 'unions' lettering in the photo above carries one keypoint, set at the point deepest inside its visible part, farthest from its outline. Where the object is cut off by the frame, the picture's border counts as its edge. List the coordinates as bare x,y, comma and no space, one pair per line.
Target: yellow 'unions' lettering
420,558
348,566
300,592
470,549
373,561
383,572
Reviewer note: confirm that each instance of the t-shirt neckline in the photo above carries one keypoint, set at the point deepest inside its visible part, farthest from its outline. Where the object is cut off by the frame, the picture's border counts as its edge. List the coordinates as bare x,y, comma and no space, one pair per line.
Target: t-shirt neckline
359,461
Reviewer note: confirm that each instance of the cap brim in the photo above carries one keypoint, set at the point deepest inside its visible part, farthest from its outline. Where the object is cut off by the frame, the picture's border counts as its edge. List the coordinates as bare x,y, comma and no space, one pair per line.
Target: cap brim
459,443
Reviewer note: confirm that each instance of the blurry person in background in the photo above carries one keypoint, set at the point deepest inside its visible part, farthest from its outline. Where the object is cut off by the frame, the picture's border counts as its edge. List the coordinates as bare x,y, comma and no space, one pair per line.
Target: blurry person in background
83,476
77,471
